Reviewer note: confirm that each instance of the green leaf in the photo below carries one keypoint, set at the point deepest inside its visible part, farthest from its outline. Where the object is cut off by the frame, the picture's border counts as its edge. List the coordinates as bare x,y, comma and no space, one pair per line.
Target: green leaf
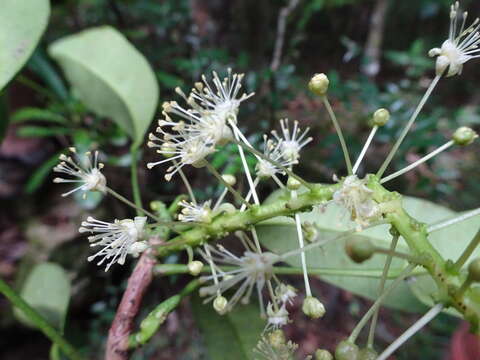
31,113
232,336
42,66
110,76
40,131
22,23
39,175
47,290
280,236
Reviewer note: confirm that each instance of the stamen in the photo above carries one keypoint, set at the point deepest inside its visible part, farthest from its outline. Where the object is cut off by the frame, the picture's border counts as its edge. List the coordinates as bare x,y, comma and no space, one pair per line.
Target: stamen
418,162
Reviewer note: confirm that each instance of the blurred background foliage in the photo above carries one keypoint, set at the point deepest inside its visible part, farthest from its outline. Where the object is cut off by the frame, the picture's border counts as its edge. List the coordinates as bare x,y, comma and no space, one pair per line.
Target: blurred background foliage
375,54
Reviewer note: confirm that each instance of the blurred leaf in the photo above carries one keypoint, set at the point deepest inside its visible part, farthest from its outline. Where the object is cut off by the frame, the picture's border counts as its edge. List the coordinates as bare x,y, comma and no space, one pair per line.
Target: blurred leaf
47,290
279,235
39,175
30,113
88,200
231,336
40,64
4,118
39,131
110,76
22,23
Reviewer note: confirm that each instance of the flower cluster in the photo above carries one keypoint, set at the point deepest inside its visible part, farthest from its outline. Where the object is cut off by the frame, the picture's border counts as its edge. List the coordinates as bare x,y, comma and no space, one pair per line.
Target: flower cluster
356,197
251,270
86,170
117,239
461,45
201,127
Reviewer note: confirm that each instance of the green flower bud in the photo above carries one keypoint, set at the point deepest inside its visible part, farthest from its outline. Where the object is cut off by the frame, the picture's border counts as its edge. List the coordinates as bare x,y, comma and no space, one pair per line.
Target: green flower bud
195,267
381,117
313,307
367,354
474,270
359,249
322,354
220,305
464,136
310,232
229,179
277,338
293,184
319,84
346,350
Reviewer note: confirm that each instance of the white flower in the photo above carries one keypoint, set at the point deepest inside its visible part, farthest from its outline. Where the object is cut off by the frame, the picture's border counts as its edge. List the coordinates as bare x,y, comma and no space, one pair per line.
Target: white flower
285,293
272,150
117,239
292,141
180,152
356,197
202,126
276,318
86,170
222,98
251,271
201,213
460,47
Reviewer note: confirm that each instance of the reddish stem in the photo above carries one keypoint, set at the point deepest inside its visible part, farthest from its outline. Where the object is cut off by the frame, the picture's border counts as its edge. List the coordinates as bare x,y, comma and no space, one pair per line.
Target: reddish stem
122,325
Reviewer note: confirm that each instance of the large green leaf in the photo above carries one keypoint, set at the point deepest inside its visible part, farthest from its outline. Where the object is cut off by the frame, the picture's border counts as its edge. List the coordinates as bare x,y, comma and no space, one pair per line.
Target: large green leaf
47,290
110,76
232,336
280,236
22,23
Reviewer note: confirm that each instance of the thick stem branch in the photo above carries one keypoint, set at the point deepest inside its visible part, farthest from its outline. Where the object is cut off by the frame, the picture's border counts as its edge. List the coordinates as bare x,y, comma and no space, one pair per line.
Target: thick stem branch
122,325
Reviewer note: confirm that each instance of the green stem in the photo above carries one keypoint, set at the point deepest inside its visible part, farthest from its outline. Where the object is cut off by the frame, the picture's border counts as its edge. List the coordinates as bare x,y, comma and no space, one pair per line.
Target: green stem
356,331
338,129
230,188
381,288
151,323
175,269
468,251
408,126
229,222
137,198
39,321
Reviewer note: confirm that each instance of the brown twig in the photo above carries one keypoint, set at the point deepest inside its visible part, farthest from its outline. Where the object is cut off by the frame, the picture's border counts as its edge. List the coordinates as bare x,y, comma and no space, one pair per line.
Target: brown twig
281,27
122,325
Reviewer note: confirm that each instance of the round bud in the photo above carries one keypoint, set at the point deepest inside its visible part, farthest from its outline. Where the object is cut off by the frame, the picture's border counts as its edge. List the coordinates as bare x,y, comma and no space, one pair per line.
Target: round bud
313,307
322,354
346,350
310,231
367,354
474,270
359,249
319,84
381,117
277,338
464,136
195,267
293,184
229,179
220,304
167,150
